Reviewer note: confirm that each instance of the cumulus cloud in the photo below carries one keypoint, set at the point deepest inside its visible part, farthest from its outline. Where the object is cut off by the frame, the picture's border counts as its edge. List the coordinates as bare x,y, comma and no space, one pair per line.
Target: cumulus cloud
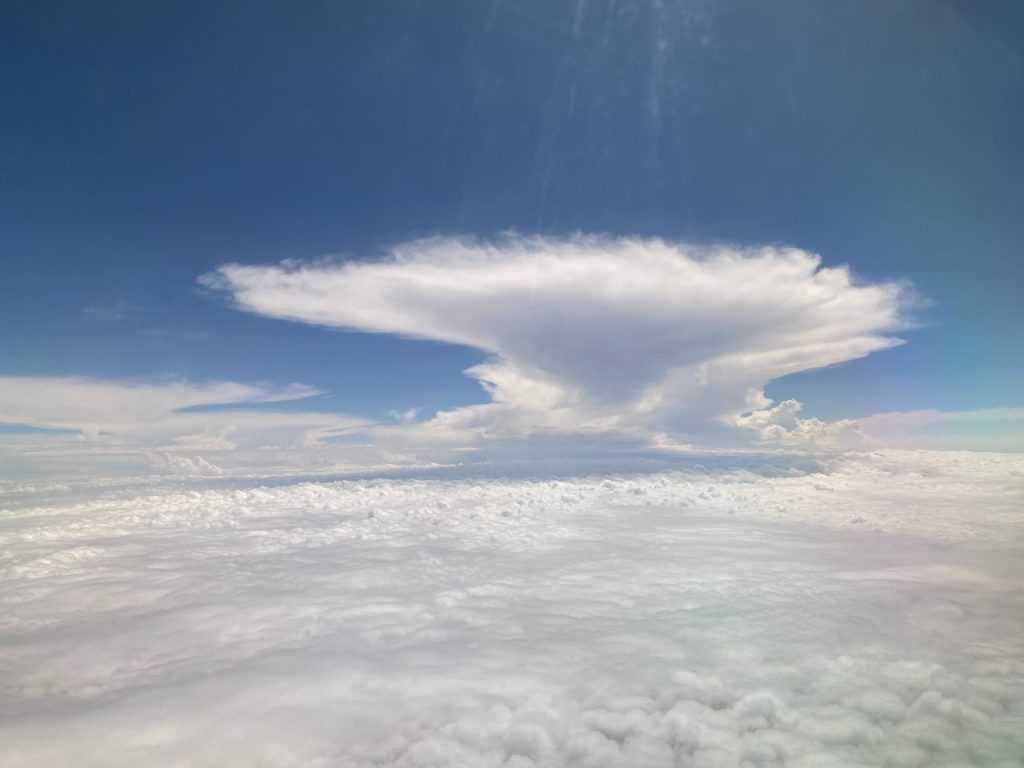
783,426
595,334
185,465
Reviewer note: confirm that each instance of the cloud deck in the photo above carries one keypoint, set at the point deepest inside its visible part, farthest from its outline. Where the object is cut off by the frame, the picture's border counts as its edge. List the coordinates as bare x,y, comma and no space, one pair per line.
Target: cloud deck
868,613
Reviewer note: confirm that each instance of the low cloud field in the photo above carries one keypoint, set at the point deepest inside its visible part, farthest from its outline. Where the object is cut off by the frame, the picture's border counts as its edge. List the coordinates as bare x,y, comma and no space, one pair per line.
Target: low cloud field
862,610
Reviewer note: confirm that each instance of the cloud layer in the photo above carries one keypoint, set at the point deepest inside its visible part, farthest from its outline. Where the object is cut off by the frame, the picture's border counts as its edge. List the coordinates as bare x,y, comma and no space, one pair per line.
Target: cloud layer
596,334
867,612
155,421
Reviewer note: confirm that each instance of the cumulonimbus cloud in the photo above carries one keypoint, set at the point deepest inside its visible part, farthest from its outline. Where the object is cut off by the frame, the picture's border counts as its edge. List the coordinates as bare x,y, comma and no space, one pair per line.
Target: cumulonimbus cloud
594,332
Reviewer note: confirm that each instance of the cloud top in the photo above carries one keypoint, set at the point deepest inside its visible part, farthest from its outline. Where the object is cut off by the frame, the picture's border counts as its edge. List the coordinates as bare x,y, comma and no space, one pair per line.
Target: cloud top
859,611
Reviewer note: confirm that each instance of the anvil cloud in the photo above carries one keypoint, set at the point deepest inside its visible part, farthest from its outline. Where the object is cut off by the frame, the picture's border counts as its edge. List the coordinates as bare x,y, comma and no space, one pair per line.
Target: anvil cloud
593,333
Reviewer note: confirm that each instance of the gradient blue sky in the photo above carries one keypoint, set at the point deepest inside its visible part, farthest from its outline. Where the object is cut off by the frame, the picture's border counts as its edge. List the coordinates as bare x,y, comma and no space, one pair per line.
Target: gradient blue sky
144,145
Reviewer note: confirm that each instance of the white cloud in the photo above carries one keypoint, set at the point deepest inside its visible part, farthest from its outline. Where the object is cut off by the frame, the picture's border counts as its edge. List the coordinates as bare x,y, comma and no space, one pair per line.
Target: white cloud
783,426
98,405
595,334
185,465
862,610
109,420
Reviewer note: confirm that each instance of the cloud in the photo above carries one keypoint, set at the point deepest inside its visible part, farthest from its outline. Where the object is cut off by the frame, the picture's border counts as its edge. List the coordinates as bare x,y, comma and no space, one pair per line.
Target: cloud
99,418
867,612
592,334
783,426
97,405
108,312
407,416
185,465
613,346
984,429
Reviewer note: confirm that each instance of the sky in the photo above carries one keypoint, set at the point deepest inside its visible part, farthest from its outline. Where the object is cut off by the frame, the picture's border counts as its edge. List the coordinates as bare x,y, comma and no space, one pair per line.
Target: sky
512,383
364,233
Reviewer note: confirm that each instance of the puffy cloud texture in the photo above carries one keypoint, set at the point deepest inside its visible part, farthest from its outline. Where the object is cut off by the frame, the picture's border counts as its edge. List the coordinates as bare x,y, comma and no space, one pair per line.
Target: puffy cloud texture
783,426
861,610
590,333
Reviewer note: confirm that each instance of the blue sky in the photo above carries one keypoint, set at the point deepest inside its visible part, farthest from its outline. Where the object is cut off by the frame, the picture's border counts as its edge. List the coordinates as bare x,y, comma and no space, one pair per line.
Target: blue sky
145,147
